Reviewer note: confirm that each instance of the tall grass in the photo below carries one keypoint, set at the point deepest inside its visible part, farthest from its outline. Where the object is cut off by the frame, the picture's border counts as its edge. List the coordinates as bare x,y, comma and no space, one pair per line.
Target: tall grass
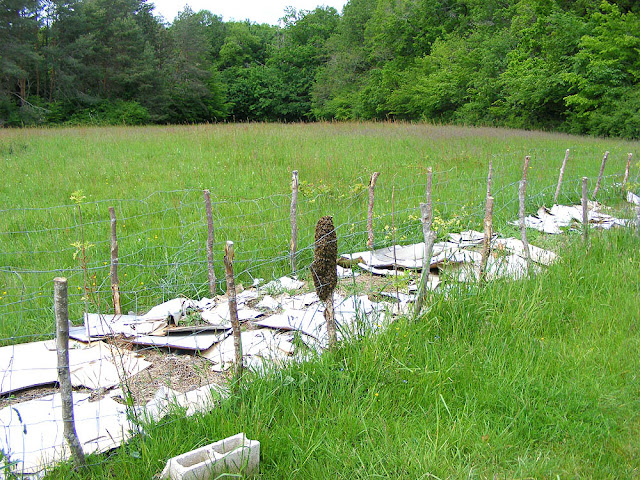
528,379
154,176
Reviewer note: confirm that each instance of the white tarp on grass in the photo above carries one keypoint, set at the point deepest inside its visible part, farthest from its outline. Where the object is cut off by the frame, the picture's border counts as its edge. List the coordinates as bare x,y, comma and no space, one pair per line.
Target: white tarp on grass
31,433
559,217
94,366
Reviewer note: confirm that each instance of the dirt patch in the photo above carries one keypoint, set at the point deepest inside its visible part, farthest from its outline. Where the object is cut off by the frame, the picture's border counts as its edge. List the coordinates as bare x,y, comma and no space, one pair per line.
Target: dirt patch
181,372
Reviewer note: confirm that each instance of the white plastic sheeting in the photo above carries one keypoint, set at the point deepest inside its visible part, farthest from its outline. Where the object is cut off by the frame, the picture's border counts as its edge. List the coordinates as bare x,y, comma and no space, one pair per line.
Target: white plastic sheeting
457,259
94,366
31,433
553,220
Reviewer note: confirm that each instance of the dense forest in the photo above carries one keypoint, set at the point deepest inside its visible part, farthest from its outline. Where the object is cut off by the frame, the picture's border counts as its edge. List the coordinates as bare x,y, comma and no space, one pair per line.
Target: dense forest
561,65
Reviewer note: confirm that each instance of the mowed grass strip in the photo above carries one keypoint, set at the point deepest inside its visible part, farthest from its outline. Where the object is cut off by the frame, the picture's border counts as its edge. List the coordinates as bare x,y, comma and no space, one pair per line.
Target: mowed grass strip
529,379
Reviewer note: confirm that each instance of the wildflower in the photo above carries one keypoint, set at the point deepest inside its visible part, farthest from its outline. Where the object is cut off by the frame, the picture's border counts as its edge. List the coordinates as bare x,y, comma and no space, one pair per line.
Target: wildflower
376,394
141,283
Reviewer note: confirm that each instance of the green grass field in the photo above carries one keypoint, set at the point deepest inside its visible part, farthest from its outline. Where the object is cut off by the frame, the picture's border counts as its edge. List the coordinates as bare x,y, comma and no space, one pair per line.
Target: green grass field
528,379
532,379
154,177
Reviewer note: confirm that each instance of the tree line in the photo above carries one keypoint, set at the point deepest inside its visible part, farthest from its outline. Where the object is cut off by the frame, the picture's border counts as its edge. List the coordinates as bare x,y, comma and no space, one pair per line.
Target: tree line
561,65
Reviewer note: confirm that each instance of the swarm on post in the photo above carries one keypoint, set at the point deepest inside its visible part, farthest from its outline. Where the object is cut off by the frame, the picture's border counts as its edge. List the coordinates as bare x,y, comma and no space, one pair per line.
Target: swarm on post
324,270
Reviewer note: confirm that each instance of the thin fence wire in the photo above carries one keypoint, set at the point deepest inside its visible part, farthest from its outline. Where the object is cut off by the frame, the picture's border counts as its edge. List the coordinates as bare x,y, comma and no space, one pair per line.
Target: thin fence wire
162,240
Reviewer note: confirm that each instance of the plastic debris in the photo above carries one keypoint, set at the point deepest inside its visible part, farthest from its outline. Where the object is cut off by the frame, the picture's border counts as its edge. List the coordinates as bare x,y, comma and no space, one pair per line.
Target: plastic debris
556,218
94,366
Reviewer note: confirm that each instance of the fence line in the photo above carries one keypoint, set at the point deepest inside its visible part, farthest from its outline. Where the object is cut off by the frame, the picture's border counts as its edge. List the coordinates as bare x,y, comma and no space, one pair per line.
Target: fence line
163,238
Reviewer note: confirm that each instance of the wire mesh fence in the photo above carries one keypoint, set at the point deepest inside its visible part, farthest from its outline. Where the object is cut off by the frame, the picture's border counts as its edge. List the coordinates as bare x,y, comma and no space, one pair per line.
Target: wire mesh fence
162,239
162,242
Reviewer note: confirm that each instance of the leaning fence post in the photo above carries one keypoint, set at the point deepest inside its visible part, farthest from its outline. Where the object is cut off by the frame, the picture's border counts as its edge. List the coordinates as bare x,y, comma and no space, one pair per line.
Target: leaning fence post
585,210
372,188
294,219
604,162
486,243
429,240
489,178
564,164
60,302
115,283
626,171
210,237
523,227
233,307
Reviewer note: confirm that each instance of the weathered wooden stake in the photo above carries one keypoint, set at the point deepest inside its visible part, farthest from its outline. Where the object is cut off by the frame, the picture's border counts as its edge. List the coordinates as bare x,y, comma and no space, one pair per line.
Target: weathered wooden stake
585,210
525,169
210,239
60,302
294,219
115,283
604,162
372,188
489,177
523,227
564,164
486,243
233,307
626,172
393,239
429,240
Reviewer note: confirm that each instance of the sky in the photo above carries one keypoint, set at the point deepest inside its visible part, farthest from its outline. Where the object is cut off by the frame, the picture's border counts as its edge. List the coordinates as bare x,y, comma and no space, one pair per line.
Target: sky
258,11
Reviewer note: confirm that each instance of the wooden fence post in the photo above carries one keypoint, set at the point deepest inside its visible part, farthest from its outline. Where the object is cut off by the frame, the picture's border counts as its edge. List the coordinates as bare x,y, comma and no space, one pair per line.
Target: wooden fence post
372,188
486,242
233,307
585,210
626,172
564,164
210,239
294,219
489,177
604,162
429,239
115,283
523,228
64,375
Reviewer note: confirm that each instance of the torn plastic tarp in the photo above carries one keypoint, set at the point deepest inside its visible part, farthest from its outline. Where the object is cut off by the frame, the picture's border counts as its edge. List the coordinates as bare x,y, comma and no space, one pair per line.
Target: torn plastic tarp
351,313
94,366
458,259
264,343
556,218
190,341
282,284
31,433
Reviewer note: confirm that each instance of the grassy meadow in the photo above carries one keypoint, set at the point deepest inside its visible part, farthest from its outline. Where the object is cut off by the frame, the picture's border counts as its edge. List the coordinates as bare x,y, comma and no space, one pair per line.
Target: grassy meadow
528,379
154,177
